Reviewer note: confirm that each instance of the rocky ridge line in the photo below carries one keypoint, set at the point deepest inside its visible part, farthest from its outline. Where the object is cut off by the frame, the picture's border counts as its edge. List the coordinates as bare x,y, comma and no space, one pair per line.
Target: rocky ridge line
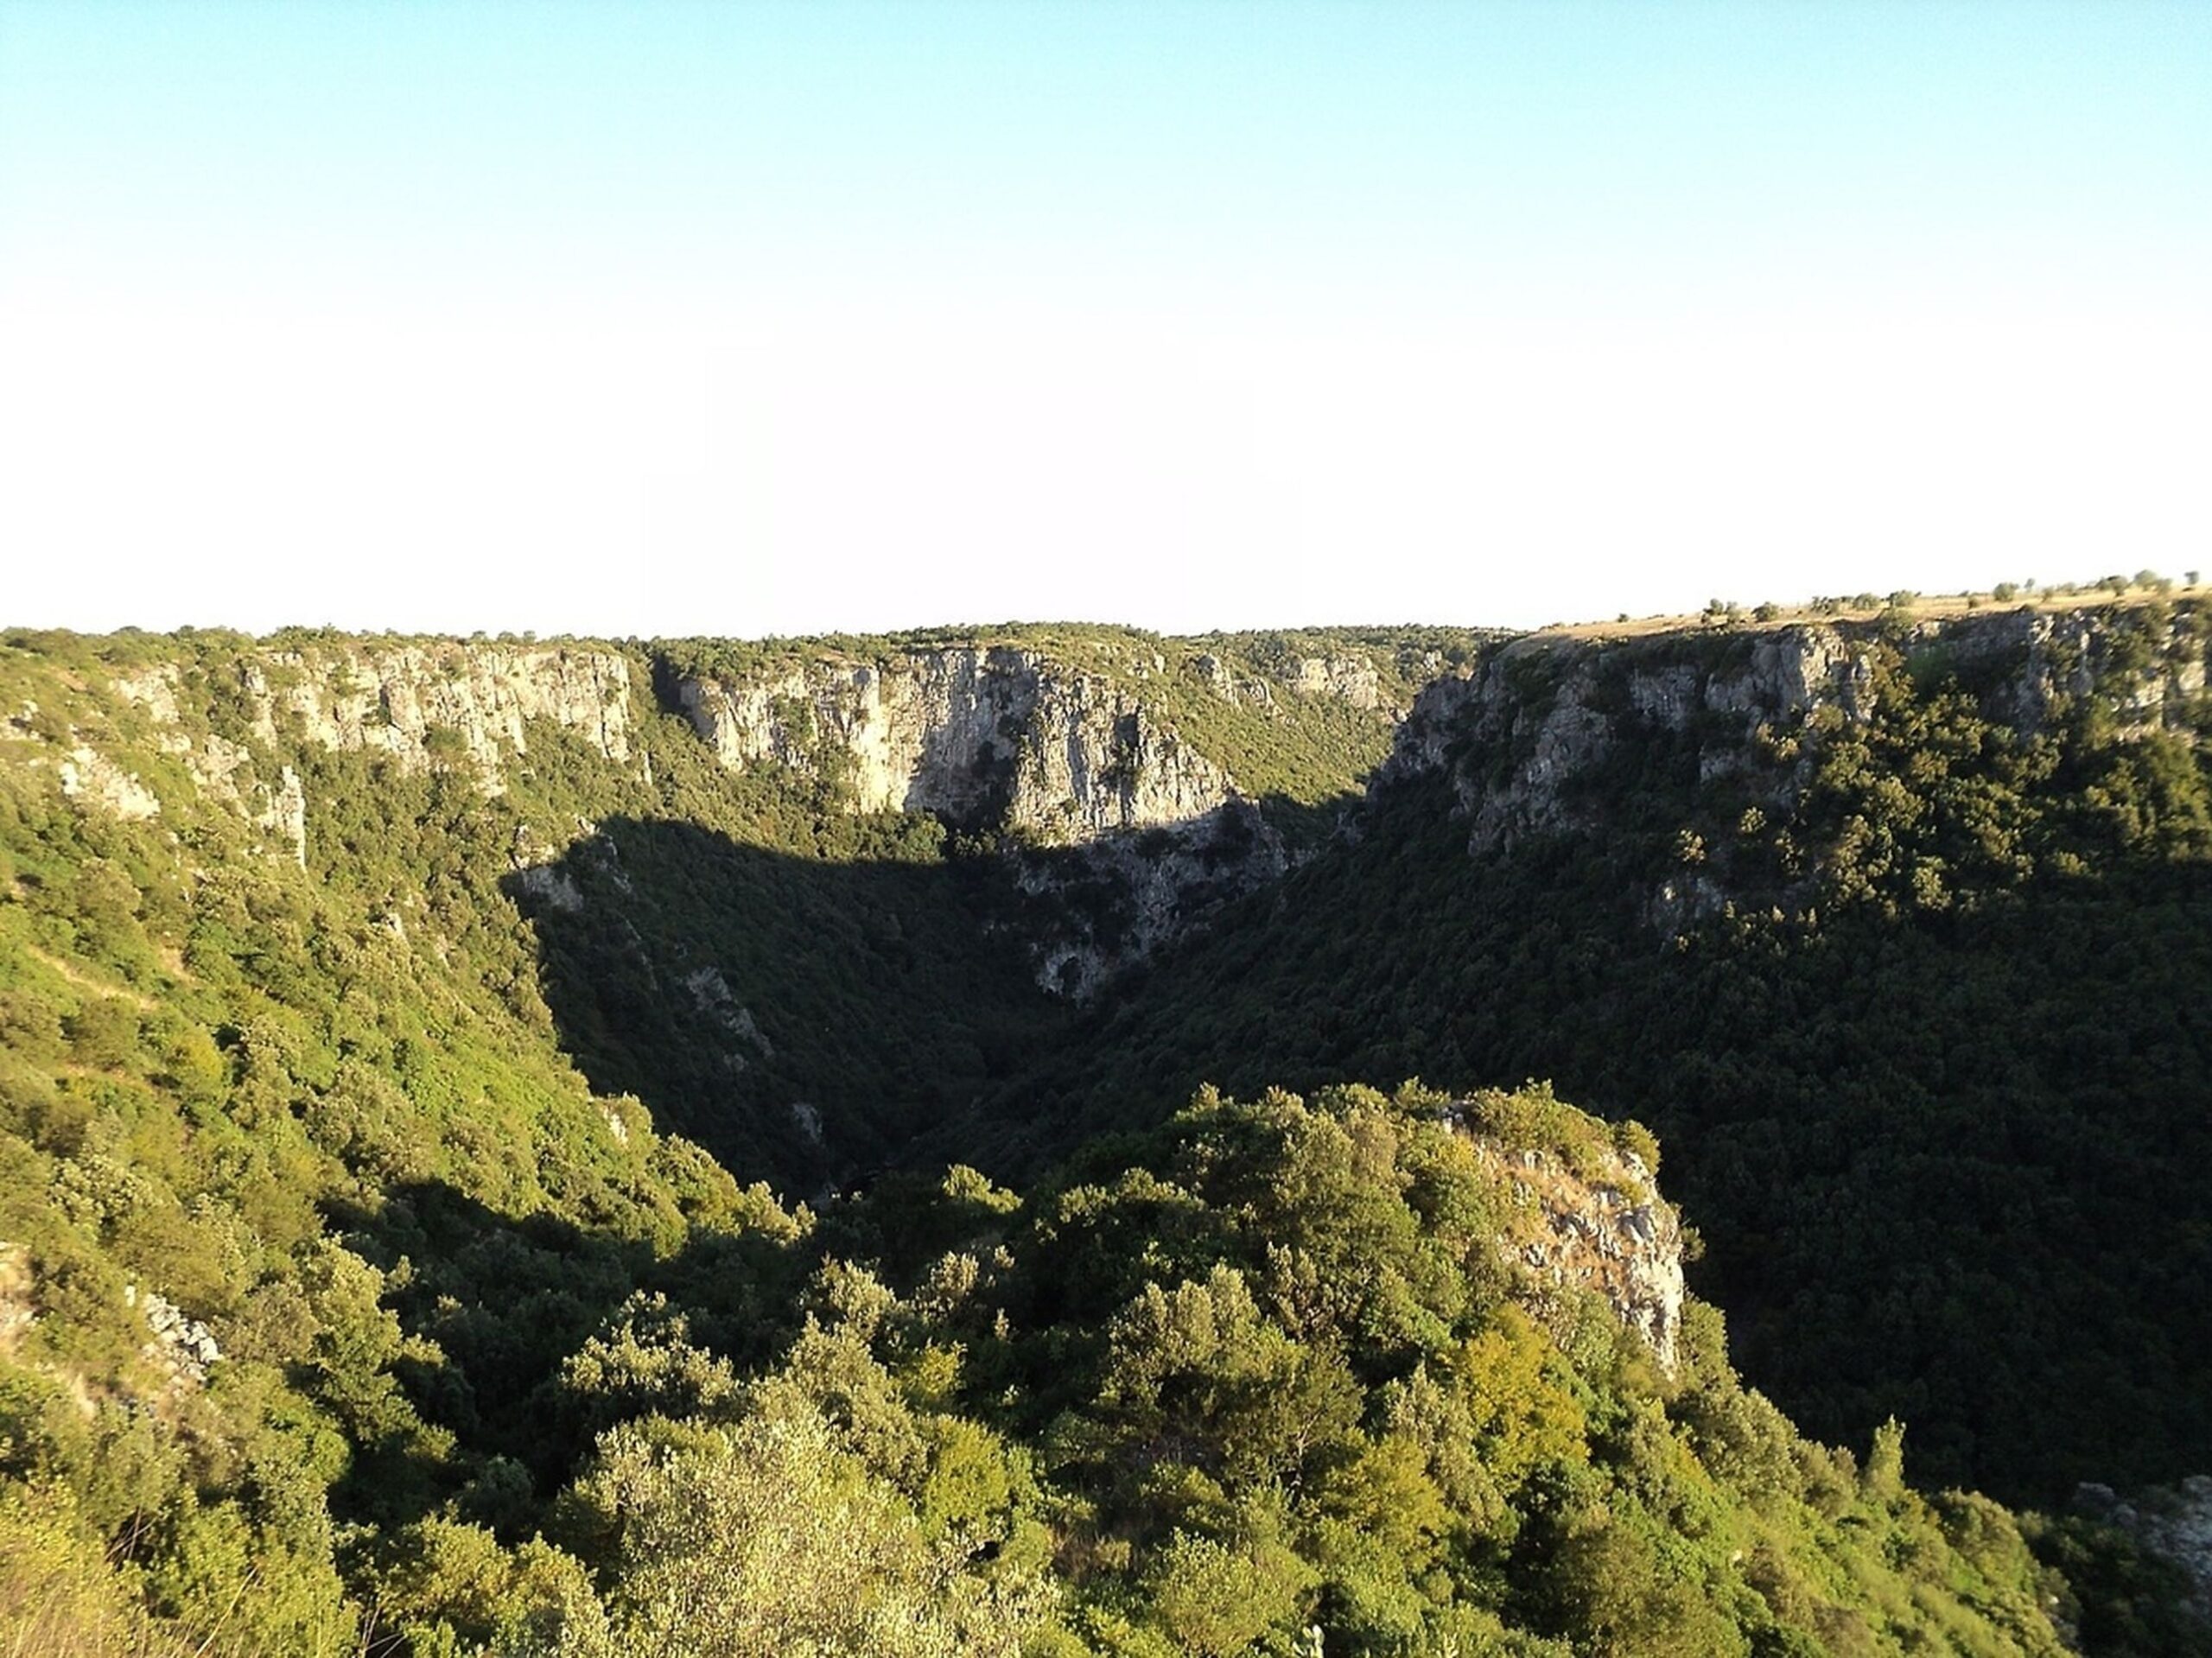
1517,734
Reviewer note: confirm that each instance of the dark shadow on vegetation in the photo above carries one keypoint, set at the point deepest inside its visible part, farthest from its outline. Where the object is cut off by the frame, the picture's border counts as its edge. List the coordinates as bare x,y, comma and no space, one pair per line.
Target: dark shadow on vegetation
807,1018
1307,826
1949,1167
492,1305
803,1019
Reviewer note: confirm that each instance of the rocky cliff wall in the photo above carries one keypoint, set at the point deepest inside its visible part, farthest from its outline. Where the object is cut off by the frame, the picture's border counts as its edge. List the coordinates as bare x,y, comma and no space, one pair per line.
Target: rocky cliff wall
417,704
1121,832
985,738
1521,736
1343,677
1109,904
1128,834
410,702
1062,749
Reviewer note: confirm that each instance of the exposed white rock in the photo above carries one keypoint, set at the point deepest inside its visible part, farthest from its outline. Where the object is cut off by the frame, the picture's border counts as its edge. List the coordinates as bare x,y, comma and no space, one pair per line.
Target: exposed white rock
1604,1229
182,1346
1568,737
18,1309
711,995
807,1119
417,703
155,689
396,700
1348,679
90,776
1516,733
1162,882
227,770
550,885
999,738
2172,1522
1666,696
1790,669
1214,673
285,813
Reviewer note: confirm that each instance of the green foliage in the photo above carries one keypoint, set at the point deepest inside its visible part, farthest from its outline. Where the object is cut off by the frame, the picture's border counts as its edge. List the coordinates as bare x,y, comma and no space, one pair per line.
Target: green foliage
506,1367
1928,1078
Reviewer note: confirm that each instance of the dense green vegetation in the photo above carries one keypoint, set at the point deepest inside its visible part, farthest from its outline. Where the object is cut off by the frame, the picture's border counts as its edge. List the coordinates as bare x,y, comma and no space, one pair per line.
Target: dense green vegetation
506,1365
1933,1082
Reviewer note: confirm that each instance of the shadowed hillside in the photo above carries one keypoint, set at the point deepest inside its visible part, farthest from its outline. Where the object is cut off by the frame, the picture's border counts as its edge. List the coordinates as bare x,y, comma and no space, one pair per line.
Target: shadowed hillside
355,993
1908,962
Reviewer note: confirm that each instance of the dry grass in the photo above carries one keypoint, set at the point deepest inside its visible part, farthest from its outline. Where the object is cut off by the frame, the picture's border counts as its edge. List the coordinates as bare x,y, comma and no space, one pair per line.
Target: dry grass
1926,606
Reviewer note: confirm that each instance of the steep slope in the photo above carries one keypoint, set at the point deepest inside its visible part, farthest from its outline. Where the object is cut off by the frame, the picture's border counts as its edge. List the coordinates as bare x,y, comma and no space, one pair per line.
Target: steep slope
1898,932
1134,783
350,989
316,1173
800,935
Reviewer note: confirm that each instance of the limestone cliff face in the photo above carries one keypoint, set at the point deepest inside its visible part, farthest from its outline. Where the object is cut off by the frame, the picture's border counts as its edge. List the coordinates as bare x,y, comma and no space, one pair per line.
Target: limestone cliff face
1121,831
448,702
1126,835
1524,738
1116,900
411,702
1343,676
986,738
2173,1522
1517,734
90,776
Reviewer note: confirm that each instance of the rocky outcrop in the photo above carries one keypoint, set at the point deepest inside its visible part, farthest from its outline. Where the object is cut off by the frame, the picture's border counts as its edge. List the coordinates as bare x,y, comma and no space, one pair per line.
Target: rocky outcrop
1524,737
449,703
1351,677
183,1348
2174,1523
1015,740
284,813
711,994
1112,903
1348,679
1519,733
1120,835
18,1308
984,738
1596,1224
91,778
467,705
227,770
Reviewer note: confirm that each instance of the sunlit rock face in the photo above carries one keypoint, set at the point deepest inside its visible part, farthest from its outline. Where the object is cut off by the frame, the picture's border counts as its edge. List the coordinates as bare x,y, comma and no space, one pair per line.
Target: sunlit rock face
1525,737
1600,1227
1002,739
472,700
1120,832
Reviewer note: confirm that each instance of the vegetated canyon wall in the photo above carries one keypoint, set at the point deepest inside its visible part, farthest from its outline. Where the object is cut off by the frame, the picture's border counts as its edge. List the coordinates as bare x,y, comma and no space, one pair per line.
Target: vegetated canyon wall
1119,831
415,703
439,703
1528,739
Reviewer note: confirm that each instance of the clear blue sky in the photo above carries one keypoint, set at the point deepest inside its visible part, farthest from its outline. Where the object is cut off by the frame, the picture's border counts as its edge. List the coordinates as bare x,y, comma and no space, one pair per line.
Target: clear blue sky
676,317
